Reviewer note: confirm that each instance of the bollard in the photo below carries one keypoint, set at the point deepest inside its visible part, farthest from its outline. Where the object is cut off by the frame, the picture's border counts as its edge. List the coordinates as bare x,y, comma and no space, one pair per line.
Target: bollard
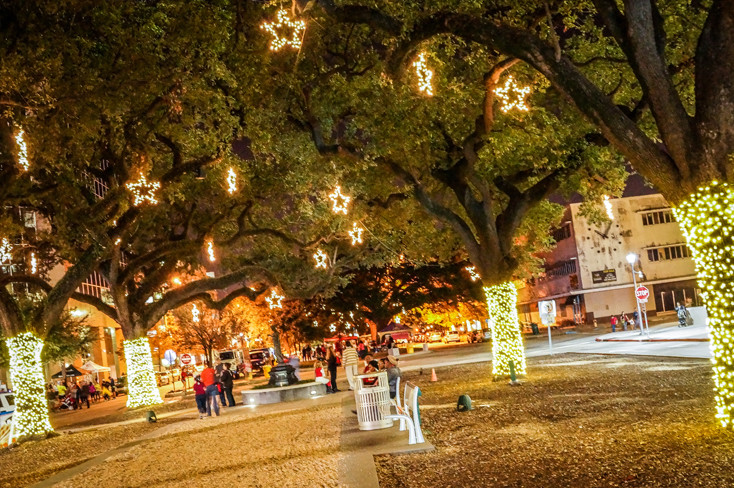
513,378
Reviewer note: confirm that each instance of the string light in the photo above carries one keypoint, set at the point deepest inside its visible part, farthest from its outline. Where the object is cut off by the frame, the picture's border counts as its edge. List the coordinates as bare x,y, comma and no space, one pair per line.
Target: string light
472,270
176,281
26,373
425,75
143,190
22,150
707,221
231,181
141,384
506,336
339,201
321,258
356,234
517,100
284,22
6,251
210,250
608,207
274,300
194,313
34,263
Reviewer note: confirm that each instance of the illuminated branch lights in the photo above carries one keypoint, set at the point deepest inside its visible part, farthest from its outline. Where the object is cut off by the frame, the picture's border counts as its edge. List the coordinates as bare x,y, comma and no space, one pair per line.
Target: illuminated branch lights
608,207
472,270
231,181
274,300
283,23
506,335
143,190
194,313
356,234
425,75
707,222
339,201
6,251
512,96
26,374
34,263
322,260
22,150
210,250
141,384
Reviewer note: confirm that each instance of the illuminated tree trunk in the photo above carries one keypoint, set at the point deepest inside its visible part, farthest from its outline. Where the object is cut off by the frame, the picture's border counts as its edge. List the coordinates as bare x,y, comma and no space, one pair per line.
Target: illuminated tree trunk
141,385
707,221
506,335
26,374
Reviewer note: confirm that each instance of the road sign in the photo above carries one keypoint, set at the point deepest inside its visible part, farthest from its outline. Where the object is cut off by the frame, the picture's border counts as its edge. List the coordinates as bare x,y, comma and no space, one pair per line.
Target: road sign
170,356
185,359
642,293
547,311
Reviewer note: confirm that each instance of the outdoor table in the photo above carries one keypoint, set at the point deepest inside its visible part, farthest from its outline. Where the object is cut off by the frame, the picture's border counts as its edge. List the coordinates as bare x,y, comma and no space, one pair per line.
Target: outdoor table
373,402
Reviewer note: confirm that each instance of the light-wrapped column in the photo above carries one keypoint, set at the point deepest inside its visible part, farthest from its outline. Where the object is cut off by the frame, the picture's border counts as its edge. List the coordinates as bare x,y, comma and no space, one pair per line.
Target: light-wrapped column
141,385
506,335
26,374
707,221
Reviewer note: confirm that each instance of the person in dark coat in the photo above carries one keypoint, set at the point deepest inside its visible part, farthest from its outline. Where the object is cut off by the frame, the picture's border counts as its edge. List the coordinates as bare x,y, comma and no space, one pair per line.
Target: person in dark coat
331,363
227,385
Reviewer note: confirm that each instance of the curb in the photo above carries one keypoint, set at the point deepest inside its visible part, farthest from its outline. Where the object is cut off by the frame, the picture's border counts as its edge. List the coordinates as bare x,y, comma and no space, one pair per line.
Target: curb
651,340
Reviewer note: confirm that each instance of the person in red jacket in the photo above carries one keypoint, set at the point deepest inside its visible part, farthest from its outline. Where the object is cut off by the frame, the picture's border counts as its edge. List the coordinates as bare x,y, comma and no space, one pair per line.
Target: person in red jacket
200,392
209,378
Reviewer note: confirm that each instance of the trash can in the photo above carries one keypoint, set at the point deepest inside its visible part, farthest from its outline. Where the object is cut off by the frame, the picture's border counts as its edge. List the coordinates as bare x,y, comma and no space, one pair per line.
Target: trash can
409,348
425,347
373,401
534,326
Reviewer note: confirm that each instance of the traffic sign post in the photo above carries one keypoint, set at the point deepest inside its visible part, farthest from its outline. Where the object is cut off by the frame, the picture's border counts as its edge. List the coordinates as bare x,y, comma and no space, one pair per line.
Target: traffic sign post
642,294
547,311
185,359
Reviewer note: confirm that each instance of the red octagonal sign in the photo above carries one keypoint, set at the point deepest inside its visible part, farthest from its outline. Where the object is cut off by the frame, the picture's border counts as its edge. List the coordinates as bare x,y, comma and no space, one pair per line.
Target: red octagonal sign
642,293
185,359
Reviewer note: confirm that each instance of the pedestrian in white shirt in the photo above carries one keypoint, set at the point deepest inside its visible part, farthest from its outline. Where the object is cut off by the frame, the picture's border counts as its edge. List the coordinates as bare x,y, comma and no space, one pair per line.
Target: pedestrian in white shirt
350,360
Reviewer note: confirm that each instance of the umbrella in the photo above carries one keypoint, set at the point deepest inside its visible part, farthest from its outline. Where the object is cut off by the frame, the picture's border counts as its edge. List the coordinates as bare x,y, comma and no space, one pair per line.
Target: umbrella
70,371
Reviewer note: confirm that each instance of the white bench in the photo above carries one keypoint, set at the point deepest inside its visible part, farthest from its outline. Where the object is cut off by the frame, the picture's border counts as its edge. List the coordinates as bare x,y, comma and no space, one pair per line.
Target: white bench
407,412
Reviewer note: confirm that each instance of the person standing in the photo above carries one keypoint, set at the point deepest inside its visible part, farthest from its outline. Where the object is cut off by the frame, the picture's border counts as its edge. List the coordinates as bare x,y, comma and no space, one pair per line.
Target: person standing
350,358
200,392
331,364
682,314
393,374
361,349
624,320
209,378
635,316
613,321
227,385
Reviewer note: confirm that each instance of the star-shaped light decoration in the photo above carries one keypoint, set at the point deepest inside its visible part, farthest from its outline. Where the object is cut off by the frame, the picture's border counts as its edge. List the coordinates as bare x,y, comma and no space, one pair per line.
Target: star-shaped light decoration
425,75
5,251
512,96
283,23
22,150
210,250
608,207
194,313
143,190
332,328
339,202
322,260
356,234
472,270
274,300
231,181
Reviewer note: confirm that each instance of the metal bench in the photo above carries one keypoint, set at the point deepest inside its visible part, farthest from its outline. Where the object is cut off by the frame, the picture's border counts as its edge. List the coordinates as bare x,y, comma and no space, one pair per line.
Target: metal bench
407,412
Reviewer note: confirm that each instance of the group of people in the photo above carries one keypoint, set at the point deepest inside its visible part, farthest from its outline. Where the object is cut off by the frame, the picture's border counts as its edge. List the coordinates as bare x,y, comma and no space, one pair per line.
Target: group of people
626,321
211,387
73,394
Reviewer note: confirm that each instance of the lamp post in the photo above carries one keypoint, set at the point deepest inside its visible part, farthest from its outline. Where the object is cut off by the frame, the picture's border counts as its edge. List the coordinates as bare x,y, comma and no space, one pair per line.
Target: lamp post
632,259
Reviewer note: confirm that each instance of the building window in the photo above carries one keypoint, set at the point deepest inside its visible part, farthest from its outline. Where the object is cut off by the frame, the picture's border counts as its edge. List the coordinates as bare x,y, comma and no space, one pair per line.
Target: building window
564,232
563,268
667,253
658,217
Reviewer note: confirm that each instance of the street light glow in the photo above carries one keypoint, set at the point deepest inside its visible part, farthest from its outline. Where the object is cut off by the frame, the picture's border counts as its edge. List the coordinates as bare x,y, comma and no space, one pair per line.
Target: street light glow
631,258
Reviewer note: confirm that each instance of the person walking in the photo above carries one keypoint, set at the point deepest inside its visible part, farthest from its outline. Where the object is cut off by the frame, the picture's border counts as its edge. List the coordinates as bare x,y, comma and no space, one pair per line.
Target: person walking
209,378
682,314
84,394
331,364
635,316
200,394
350,359
227,385
624,320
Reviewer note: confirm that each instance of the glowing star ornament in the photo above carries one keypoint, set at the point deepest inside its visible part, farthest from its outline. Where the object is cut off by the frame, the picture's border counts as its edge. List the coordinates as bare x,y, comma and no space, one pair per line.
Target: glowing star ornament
339,202
322,260
472,270
512,96
507,343
6,251
274,300
283,24
608,207
356,234
425,75
141,383
143,190
210,250
231,181
22,150
194,313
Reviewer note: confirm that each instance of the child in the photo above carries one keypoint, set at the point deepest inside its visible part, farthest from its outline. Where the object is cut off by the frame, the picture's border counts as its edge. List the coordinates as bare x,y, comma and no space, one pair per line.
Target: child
318,370
200,392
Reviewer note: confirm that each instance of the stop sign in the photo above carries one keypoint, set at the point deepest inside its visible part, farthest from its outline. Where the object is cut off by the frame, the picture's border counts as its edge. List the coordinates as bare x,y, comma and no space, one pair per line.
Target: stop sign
185,359
642,293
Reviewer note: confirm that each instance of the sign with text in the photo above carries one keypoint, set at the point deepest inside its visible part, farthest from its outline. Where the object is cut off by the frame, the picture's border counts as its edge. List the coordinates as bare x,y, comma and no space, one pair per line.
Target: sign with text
604,276
185,359
642,293
547,310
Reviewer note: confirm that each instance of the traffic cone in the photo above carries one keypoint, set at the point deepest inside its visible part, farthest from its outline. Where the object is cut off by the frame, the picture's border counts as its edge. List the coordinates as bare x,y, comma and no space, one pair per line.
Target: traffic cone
433,375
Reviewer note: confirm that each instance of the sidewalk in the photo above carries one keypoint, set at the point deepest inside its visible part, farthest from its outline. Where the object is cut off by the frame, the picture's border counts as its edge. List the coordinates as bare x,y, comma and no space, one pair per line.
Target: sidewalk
669,332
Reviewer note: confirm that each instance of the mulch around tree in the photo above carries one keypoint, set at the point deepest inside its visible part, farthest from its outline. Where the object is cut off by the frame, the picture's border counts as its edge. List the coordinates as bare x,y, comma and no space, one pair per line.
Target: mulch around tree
577,421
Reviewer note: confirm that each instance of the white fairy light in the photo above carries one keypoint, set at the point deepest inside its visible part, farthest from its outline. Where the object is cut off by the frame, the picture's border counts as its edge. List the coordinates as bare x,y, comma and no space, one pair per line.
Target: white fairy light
274,300
339,201
425,75
608,207
210,250
283,23
22,150
5,251
356,234
517,100
231,181
34,263
472,270
194,313
321,259
143,190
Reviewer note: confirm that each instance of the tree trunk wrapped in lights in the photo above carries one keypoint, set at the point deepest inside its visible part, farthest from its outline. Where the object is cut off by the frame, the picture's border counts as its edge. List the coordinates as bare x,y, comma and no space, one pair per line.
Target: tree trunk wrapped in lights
142,389
707,221
506,335
26,374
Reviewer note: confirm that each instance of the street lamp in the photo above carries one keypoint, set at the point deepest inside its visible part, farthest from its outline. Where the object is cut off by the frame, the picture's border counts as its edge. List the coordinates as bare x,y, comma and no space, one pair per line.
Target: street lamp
632,259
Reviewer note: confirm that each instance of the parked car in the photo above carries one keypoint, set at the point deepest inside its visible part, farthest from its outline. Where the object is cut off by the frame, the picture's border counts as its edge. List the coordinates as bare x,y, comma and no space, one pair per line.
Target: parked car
435,337
487,335
7,407
259,356
475,336
175,374
162,378
451,337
